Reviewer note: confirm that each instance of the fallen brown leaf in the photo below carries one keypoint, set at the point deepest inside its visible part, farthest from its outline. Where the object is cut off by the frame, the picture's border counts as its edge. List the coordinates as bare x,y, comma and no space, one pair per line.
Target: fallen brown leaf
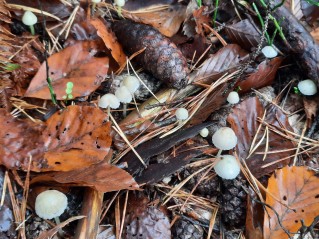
77,64
20,139
296,187
264,75
110,40
167,21
76,138
243,121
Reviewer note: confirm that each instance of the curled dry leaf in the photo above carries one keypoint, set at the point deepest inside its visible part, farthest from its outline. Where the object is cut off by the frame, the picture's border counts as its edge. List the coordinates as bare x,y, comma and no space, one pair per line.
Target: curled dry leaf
244,34
76,138
109,40
77,64
264,76
243,121
296,188
167,20
20,139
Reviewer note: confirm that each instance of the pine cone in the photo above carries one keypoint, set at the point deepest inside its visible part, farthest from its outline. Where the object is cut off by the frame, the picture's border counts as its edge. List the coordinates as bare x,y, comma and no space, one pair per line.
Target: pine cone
233,202
208,187
161,56
183,229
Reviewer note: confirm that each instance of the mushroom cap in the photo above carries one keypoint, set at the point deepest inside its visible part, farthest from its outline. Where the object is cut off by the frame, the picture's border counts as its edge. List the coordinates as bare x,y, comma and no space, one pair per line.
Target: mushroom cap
269,52
307,87
204,132
50,204
123,94
132,83
119,3
227,167
96,1
109,100
233,97
29,18
181,114
224,138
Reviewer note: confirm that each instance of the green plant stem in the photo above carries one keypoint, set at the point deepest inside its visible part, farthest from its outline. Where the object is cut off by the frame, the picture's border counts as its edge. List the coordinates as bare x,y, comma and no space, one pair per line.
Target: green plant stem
215,11
278,27
32,30
261,22
53,96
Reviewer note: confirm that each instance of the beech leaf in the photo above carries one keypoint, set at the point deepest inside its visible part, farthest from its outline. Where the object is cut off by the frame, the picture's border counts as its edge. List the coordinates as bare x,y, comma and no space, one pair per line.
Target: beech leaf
296,188
243,121
109,40
76,64
76,138
244,34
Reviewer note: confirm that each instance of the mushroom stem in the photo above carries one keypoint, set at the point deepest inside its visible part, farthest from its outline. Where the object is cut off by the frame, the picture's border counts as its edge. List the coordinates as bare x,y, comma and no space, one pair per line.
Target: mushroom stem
32,30
124,109
57,221
219,153
108,113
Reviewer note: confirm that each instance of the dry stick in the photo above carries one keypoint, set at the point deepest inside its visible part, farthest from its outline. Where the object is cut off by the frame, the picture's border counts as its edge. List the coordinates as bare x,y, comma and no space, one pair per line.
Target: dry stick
124,212
108,207
299,143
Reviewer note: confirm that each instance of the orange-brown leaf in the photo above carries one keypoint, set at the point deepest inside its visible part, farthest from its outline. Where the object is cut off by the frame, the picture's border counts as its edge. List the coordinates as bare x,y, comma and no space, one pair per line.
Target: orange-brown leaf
20,139
110,40
200,19
296,187
76,138
167,21
75,63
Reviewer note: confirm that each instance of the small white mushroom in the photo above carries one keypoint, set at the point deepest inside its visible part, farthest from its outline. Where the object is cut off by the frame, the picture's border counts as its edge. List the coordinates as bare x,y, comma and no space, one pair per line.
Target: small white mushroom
29,19
224,139
181,114
269,52
124,96
51,204
227,167
109,101
204,132
233,97
119,3
307,87
132,83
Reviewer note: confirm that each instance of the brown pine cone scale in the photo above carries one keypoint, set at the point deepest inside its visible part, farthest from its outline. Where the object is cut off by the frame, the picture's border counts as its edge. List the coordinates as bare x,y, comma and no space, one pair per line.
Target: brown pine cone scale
161,56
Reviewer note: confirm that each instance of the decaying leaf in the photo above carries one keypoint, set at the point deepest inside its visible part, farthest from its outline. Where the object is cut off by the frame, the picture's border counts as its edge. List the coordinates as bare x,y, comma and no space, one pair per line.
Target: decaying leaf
244,34
243,121
77,64
76,138
264,75
20,139
166,19
109,39
296,188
